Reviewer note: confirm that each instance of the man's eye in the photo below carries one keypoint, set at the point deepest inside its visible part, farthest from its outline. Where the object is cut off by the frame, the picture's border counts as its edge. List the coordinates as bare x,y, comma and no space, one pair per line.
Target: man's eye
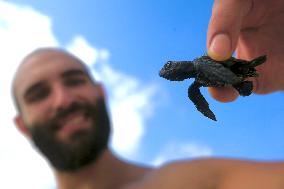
38,95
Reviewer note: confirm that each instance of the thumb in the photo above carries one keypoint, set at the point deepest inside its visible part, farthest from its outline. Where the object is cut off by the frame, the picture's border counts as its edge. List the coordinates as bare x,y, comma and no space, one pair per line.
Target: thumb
225,26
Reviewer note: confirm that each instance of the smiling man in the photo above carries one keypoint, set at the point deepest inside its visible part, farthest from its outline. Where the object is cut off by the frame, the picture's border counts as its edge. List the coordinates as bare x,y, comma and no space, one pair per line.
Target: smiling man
63,111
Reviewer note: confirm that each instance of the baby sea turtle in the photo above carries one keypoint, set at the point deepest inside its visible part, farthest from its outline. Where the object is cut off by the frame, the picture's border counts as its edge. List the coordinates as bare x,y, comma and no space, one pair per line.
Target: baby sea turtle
211,73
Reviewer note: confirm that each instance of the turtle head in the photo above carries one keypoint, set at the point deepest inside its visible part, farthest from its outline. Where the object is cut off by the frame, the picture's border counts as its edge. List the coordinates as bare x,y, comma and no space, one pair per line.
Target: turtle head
177,70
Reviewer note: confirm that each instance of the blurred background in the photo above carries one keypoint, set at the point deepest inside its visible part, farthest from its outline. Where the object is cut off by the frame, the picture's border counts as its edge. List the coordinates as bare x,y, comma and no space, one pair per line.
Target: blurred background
125,43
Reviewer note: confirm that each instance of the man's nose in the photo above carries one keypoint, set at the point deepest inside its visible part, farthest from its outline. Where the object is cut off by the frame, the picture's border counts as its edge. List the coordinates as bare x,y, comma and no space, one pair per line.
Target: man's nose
63,98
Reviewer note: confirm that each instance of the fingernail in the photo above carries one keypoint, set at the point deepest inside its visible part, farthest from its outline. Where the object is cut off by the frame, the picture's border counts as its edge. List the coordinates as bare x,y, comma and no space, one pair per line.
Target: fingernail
220,48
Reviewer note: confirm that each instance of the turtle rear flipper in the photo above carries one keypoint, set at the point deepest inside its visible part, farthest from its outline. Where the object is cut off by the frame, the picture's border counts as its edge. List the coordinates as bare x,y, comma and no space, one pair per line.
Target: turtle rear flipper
199,101
246,69
244,88
247,63
257,61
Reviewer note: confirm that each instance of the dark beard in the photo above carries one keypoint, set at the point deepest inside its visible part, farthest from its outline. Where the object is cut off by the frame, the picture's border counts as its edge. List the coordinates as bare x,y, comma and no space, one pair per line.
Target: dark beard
84,147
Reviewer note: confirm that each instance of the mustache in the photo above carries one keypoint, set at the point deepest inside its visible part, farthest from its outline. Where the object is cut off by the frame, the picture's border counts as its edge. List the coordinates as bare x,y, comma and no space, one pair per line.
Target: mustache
61,114
74,107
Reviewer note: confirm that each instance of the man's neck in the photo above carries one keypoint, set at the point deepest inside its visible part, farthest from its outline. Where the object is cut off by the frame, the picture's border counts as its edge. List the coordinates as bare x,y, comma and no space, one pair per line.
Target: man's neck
107,172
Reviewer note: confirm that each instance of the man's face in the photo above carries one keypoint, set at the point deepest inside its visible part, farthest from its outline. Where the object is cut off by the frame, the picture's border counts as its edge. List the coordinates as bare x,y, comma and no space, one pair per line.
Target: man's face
63,110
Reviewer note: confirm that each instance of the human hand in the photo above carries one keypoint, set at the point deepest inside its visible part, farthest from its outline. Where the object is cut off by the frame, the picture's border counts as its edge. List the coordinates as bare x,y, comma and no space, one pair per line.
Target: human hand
252,28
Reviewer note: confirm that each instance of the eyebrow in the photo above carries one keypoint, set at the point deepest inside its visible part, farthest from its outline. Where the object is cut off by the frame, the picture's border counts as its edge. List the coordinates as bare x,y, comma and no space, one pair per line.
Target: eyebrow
74,72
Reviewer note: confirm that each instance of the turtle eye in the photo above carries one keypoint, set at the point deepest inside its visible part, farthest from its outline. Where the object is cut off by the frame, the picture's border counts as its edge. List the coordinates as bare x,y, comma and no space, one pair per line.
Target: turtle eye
168,64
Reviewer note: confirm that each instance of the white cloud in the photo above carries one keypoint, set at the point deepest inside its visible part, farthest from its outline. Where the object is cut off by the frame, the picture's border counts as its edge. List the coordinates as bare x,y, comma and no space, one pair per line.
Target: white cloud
80,47
181,150
23,29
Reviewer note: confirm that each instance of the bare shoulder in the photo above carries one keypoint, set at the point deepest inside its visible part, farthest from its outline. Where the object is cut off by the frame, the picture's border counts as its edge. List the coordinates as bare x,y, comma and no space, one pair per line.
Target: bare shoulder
197,174
214,174
260,175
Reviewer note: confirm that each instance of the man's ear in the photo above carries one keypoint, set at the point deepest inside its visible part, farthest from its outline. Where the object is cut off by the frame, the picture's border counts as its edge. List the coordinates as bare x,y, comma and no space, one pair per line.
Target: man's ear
21,126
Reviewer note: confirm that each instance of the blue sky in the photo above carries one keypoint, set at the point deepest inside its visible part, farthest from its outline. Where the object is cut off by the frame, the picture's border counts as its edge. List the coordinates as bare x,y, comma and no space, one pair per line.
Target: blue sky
126,43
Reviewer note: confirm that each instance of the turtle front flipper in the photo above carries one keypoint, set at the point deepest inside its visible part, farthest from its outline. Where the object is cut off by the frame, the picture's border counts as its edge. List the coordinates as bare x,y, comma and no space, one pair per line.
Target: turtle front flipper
199,101
244,88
